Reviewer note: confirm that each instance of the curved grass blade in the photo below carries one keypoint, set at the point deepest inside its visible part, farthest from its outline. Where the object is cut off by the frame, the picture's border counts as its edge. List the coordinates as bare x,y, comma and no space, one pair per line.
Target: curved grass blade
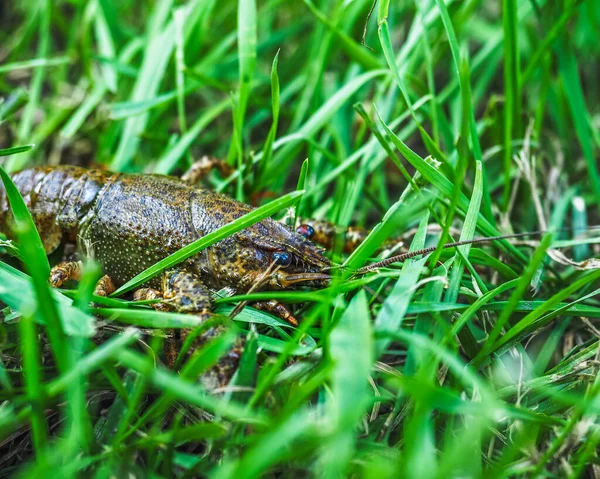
147,318
15,149
396,304
468,231
462,68
30,242
268,147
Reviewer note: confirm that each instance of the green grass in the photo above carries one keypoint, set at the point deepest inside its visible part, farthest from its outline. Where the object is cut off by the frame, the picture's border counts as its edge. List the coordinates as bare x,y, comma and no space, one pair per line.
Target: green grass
475,362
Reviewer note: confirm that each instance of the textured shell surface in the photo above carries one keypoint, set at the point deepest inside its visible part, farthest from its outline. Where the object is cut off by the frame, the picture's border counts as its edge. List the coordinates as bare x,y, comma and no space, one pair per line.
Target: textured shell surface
138,220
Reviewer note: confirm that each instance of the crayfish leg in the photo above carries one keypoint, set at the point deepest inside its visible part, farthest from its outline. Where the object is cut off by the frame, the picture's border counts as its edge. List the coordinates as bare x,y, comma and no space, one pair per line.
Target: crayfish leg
201,168
150,294
277,309
105,286
71,271
186,293
65,271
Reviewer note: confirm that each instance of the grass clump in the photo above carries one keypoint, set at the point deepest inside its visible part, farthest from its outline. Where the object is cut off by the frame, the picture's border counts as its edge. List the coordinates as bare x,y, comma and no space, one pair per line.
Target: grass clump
436,121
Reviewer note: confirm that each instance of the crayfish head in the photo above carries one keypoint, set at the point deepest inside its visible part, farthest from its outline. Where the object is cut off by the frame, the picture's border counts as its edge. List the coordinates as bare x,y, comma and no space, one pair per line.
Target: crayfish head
264,256
268,256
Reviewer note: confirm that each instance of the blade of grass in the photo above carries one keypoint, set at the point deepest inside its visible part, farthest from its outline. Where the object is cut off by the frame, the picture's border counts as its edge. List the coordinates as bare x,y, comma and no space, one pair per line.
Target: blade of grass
15,149
386,44
37,264
532,318
12,103
463,72
263,164
35,63
247,39
465,335
569,75
301,186
248,369
512,93
33,386
178,19
554,32
396,304
467,233
106,47
35,89
146,318
351,350
157,52
25,224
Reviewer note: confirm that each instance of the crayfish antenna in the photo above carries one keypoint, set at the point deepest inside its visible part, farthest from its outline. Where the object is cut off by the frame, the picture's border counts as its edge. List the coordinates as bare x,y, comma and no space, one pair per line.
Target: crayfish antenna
404,256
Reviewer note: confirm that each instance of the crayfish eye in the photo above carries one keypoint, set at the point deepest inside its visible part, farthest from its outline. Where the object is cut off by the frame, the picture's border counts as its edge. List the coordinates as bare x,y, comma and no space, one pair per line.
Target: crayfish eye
282,258
306,230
